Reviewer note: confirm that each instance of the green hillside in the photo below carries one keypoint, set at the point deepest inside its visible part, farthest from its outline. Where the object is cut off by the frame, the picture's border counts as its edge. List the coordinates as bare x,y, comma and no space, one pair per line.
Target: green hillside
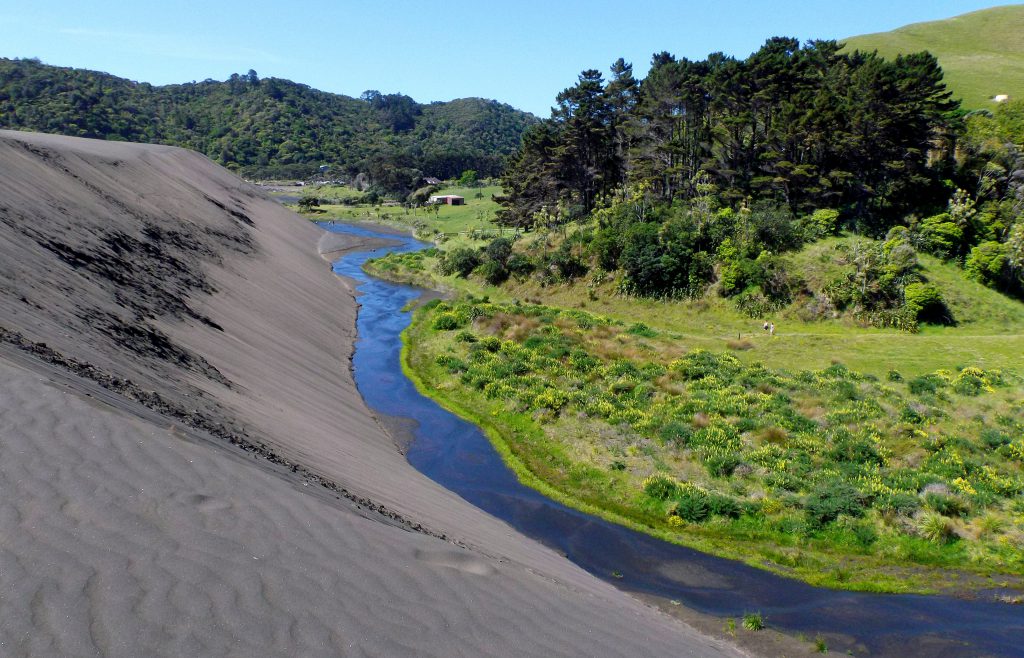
982,53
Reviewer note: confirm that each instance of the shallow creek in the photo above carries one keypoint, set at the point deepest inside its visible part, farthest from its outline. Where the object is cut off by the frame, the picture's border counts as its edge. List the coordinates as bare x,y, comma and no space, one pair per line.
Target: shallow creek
458,455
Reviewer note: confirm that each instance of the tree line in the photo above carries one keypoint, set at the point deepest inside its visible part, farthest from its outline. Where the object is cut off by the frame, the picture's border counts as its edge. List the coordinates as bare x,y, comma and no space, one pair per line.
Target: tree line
804,126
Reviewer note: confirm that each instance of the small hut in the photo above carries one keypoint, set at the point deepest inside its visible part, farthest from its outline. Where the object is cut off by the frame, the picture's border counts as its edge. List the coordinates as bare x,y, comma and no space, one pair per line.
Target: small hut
448,199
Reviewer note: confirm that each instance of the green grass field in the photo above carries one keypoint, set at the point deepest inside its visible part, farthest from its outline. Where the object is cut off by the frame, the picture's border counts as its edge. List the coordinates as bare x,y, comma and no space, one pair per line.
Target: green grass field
331,192
982,53
476,215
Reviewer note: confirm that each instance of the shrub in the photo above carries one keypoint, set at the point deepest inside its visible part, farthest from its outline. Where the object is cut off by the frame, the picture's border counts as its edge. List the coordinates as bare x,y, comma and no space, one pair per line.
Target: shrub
451,363
894,376
988,263
490,344
499,250
946,505
935,527
820,223
692,506
865,534
699,364
494,272
993,438
910,414
447,321
829,500
563,264
719,505
722,465
855,451
897,502
925,384
519,266
676,433
660,487
753,621
941,235
461,262
642,330
923,302
970,382
754,304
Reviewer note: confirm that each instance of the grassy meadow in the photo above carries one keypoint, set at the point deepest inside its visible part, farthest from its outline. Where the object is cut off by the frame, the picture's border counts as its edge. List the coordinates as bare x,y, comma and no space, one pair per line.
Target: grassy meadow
476,215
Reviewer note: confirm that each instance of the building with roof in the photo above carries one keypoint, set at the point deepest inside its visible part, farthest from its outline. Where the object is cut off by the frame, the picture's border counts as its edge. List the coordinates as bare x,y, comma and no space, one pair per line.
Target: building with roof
448,199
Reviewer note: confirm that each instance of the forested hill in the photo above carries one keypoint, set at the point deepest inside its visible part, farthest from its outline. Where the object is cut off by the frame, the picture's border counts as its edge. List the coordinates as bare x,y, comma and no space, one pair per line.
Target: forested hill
268,127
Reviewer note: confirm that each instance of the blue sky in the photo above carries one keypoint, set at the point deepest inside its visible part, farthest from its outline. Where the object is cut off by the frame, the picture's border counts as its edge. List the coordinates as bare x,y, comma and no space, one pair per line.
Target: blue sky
521,53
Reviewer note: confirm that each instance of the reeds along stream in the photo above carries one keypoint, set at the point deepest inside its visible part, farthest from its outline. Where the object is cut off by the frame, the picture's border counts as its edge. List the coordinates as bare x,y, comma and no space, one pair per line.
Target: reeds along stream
458,455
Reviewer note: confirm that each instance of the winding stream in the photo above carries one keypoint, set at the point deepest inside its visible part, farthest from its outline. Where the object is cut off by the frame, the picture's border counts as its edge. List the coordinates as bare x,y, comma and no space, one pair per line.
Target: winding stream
458,455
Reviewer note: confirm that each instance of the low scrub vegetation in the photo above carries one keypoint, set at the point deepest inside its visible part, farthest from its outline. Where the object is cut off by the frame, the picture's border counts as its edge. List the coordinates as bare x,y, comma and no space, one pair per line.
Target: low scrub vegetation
828,474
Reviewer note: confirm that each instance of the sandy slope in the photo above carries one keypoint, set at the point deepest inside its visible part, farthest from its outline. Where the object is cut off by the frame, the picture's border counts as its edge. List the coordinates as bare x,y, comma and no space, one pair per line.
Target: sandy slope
125,530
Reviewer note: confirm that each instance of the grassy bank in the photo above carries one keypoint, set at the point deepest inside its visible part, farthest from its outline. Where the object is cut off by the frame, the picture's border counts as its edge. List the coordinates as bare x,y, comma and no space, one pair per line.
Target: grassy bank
841,479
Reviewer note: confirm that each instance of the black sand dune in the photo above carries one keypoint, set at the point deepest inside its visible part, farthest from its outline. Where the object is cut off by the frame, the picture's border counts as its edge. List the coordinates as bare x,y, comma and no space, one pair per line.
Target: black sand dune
186,467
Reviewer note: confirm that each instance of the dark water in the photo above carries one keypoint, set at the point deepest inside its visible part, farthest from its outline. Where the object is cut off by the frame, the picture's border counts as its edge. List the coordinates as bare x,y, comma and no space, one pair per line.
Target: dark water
458,455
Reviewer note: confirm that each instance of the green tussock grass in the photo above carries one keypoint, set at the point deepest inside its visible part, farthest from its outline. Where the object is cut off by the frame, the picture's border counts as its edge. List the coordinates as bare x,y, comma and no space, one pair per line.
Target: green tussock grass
982,53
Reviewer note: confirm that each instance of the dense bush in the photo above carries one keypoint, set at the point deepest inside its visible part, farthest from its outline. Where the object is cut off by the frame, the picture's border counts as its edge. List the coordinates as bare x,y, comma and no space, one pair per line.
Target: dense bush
270,127
821,223
494,272
827,501
660,487
924,302
447,322
520,266
941,235
461,262
988,263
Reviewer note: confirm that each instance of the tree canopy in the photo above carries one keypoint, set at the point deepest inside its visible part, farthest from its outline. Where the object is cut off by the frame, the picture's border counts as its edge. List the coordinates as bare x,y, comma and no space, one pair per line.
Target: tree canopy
801,125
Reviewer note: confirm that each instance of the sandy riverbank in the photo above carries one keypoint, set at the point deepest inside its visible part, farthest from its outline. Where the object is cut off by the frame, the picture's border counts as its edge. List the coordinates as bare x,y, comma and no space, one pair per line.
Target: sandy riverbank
179,509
